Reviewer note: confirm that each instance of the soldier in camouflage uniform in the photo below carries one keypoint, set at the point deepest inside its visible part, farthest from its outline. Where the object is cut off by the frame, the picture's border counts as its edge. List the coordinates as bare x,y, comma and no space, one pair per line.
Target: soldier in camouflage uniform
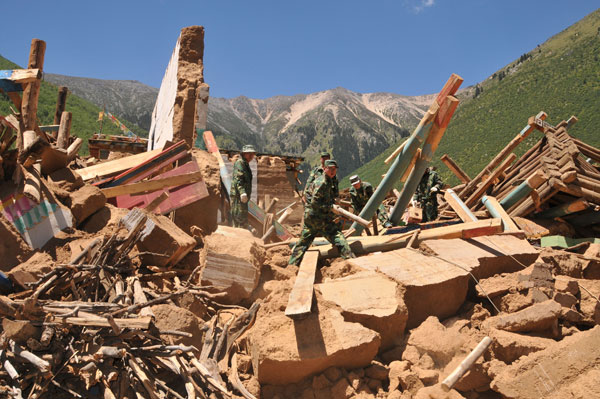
318,171
426,194
360,192
241,188
319,218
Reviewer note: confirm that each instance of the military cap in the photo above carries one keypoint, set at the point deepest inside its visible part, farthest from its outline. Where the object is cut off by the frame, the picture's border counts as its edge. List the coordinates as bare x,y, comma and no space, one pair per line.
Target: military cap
248,148
325,154
331,162
354,179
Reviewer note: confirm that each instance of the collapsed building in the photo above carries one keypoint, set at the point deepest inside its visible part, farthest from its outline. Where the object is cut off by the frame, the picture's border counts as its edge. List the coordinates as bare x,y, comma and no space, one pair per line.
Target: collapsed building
121,277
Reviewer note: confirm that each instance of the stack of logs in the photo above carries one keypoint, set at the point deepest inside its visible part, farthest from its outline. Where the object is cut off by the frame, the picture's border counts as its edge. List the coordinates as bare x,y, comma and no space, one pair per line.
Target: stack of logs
87,329
556,177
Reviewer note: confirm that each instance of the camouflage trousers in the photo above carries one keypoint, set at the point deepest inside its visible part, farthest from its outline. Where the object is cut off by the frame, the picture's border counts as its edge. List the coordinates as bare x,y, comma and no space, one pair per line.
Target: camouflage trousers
430,210
383,216
314,227
239,213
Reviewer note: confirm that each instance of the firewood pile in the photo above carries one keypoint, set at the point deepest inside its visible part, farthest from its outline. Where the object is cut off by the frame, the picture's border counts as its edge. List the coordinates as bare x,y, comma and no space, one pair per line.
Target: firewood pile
91,326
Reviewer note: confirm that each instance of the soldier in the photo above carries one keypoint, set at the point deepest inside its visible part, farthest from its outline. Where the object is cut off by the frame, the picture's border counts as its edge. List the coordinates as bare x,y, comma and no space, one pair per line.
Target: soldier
241,187
360,192
426,194
319,218
318,170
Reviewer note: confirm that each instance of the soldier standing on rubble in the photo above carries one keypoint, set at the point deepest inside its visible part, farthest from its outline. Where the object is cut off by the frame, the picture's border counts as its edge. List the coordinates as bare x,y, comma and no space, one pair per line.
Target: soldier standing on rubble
426,194
318,171
360,192
241,187
319,218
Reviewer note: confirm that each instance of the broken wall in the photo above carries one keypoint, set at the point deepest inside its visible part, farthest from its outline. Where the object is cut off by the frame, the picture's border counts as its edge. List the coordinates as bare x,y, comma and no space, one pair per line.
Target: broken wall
175,113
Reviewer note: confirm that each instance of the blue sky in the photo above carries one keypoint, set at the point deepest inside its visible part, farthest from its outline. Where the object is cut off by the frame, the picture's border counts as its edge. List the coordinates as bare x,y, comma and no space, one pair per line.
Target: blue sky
265,48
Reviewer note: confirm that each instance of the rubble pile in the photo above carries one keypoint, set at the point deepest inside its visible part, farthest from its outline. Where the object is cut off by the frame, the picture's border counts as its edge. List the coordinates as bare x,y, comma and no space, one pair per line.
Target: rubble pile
121,279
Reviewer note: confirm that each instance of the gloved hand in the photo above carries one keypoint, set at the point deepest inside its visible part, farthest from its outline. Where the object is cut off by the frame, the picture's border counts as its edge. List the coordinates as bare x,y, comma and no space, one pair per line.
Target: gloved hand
434,189
244,198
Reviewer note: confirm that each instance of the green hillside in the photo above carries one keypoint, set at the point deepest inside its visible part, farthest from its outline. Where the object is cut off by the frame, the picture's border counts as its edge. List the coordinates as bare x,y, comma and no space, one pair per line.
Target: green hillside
560,77
85,114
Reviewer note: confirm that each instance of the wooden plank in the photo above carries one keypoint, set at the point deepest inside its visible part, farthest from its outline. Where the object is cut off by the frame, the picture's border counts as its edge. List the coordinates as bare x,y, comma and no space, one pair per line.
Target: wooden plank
118,165
300,300
140,322
21,75
454,168
152,185
178,196
213,148
145,169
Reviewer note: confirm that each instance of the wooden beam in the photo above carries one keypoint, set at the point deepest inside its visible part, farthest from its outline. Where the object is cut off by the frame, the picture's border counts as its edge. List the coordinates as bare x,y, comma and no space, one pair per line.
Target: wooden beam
64,130
145,169
454,168
152,185
338,210
394,154
140,322
365,245
489,181
463,212
300,300
501,155
61,103
118,165
496,210
29,105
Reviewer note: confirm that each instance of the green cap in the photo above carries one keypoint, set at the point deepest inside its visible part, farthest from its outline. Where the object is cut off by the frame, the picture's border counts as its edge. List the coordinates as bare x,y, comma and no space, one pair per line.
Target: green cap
331,162
248,148
325,154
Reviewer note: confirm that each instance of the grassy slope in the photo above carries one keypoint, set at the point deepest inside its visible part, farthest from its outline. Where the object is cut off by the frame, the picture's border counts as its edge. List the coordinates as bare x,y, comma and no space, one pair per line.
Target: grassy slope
85,114
562,78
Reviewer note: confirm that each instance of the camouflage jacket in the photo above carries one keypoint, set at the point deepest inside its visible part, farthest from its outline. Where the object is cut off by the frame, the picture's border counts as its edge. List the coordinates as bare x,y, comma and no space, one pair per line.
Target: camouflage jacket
428,181
316,172
320,199
242,179
360,197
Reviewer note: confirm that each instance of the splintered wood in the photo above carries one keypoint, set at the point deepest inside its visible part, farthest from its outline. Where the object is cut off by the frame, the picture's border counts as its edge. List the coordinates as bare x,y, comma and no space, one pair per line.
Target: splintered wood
90,324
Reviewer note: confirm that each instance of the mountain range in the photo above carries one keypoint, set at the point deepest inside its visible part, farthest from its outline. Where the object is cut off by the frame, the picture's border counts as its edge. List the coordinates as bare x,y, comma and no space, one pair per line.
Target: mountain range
560,77
354,127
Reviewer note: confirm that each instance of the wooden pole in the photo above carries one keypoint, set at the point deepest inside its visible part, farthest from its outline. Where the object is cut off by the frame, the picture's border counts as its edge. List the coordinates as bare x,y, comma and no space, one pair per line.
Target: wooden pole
466,364
454,168
61,103
447,106
463,212
64,130
338,210
31,93
472,200
501,155
74,149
